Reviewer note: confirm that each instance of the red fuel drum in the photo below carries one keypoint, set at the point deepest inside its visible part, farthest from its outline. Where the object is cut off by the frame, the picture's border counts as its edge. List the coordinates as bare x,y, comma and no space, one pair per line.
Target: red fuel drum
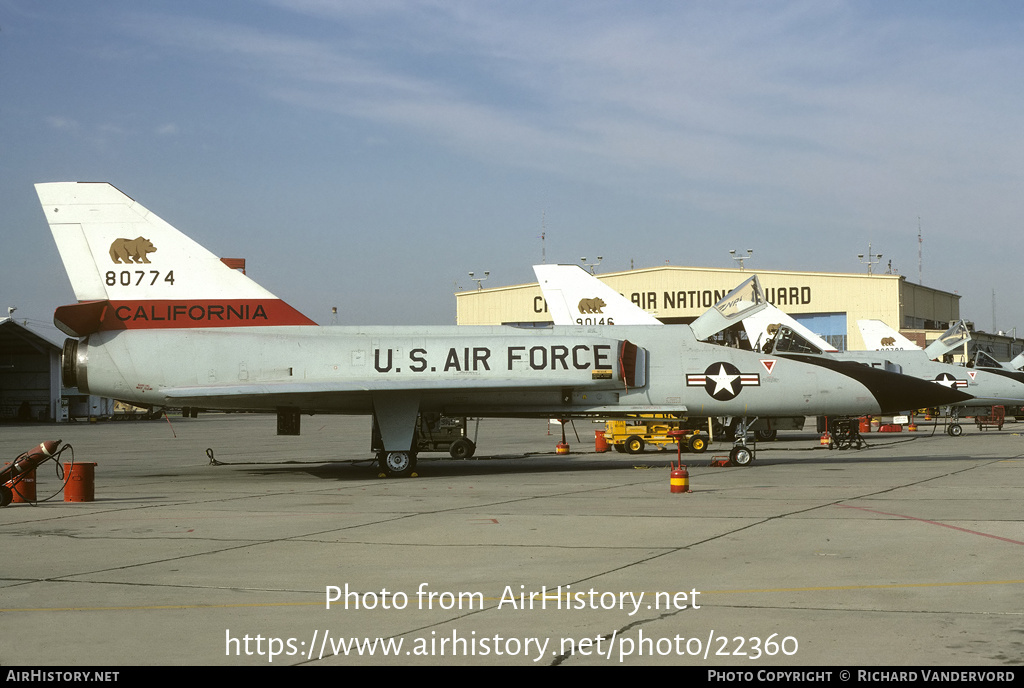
24,488
679,480
80,485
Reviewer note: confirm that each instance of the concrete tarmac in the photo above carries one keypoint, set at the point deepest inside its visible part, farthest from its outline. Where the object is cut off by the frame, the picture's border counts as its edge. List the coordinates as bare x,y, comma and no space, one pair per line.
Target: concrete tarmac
907,552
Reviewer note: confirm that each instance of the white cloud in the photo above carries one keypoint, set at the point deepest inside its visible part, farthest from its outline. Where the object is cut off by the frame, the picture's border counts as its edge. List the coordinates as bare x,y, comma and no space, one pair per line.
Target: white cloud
62,123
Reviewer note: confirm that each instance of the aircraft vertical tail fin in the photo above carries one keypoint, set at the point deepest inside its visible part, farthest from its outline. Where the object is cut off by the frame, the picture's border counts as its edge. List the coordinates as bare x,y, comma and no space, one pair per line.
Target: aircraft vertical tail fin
880,337
575,297
132,270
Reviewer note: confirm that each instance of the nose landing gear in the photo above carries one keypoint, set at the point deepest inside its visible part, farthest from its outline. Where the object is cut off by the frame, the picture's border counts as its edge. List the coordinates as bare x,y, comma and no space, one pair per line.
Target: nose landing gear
742,454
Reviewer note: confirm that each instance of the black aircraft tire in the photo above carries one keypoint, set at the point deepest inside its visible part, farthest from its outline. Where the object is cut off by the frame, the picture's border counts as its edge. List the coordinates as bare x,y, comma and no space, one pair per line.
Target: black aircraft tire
397,464
6,495
955,430
741,456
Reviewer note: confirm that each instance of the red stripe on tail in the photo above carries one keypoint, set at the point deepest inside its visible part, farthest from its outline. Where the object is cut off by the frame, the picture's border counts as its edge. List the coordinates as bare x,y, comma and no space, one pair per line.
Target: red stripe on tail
94,316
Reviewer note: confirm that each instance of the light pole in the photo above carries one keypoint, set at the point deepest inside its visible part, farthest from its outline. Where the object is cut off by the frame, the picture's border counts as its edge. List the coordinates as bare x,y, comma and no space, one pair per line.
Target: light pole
750,254
583,259
872,258
478,280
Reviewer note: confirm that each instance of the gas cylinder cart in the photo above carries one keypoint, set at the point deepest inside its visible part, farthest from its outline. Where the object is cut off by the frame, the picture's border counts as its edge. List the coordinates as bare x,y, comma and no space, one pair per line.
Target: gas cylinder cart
17,479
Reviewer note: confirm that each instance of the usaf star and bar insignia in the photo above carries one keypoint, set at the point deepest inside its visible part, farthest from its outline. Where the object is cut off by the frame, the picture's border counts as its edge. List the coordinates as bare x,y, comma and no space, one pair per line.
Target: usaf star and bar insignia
947,380
724,381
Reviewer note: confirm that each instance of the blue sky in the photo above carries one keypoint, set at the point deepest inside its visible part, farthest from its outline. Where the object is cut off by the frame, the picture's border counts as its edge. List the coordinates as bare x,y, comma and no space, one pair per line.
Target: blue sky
369,154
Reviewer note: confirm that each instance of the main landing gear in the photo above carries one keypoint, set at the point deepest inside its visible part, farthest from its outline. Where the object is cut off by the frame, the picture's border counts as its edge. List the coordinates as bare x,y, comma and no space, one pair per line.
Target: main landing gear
397,464
394,415
741,454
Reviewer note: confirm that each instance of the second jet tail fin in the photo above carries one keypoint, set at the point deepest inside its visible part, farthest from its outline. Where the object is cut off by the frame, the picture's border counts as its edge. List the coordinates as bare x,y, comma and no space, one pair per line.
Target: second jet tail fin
575,297
880,337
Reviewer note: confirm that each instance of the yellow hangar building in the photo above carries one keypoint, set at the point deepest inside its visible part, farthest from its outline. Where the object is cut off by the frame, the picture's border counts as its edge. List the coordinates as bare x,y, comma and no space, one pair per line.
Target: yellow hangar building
829,304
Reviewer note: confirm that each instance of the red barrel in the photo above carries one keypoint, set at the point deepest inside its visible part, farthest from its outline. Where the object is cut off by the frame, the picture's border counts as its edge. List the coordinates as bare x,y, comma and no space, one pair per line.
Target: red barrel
25,489
600,443
80,485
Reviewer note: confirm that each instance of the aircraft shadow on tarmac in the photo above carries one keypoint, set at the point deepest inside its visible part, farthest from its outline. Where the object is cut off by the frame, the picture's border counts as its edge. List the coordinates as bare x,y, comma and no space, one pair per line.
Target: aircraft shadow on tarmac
774,454
858,457
443,467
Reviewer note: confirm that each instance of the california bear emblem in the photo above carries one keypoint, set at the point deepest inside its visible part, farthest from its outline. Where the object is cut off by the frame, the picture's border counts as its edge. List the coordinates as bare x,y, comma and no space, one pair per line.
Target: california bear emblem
888,341
131,250
591,305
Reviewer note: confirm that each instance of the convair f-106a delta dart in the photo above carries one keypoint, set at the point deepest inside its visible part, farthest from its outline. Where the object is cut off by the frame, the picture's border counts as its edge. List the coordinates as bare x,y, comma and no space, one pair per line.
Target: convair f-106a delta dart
161,321
771,331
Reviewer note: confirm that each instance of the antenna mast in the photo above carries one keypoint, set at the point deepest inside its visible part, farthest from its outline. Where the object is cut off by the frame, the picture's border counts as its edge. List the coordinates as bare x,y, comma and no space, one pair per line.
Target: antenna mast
994,311
920,278
543,235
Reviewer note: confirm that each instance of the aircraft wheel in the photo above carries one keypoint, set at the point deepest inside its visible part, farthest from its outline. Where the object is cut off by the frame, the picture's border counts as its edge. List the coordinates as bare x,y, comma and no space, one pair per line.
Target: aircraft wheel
955,430
462,449
741,456
6,495
398,464
767,435
634,445
698,444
